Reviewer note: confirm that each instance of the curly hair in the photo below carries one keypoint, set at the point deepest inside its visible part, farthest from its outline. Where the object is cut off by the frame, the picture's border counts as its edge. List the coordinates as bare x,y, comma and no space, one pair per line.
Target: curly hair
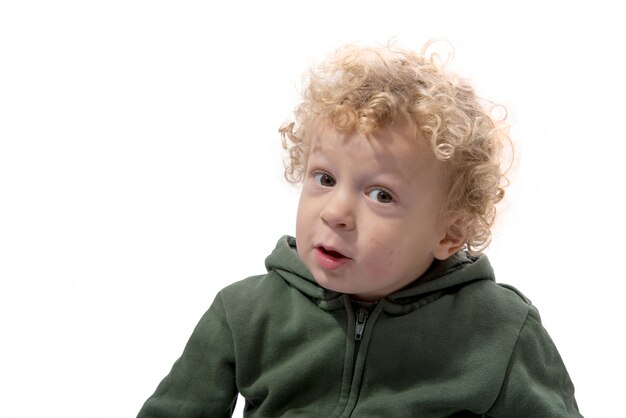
362,89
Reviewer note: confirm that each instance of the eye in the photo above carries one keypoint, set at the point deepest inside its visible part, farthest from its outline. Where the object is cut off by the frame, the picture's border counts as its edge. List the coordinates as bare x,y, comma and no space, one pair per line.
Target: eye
381,195
324,179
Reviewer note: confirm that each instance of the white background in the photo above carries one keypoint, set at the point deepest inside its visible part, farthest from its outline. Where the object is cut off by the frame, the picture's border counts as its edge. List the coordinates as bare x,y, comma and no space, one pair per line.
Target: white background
140,172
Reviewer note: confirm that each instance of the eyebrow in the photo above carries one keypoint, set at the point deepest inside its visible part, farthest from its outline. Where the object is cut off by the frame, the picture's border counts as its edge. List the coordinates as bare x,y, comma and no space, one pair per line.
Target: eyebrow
388,169
394,171
383,169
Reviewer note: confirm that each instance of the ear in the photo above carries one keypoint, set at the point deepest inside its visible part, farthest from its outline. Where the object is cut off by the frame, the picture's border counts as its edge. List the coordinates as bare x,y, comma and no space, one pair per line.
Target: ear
453,240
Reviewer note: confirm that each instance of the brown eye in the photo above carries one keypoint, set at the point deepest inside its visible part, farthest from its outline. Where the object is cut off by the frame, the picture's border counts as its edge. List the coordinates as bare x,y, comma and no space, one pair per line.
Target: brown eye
381,196
324,179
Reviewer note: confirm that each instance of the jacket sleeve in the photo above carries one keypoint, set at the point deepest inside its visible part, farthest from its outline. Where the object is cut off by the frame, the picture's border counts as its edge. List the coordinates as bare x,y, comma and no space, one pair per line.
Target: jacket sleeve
536,382
202,381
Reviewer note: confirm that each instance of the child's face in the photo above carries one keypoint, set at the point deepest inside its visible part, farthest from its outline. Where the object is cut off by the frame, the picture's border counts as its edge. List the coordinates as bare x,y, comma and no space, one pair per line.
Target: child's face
368,220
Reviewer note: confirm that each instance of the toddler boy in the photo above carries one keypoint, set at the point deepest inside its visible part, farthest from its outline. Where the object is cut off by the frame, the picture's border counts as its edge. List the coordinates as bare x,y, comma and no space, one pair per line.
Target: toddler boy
382,305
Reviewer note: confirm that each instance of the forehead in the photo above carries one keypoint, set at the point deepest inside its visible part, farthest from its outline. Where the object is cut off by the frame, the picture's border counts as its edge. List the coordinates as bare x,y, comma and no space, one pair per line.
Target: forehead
398,148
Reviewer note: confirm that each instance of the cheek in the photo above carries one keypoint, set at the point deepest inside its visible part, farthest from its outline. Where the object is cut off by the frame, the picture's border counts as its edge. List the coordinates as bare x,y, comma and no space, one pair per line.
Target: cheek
382,257
303,215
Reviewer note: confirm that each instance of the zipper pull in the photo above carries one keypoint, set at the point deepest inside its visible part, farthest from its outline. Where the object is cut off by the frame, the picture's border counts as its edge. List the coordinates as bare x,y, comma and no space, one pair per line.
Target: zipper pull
361,318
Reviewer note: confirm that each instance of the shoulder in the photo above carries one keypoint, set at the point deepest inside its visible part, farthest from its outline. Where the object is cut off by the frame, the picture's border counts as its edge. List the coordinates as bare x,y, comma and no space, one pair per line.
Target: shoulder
490,315
254,289
494,301
258,299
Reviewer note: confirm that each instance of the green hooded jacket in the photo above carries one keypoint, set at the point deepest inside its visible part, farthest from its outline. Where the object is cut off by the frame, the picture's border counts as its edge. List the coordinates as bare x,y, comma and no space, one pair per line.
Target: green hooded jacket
452,344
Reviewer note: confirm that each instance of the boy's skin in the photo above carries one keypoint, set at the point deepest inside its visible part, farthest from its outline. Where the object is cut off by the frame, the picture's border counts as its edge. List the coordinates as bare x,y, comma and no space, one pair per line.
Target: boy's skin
369,219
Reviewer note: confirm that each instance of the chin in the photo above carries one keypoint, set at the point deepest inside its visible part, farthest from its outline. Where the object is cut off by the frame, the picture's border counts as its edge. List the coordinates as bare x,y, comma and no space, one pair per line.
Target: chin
322,280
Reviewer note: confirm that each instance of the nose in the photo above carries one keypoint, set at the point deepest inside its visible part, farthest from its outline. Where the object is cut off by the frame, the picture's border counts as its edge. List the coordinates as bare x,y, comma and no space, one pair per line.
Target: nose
338,213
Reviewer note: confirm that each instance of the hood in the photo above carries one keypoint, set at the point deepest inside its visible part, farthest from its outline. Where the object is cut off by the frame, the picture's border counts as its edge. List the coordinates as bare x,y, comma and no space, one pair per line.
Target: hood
441,277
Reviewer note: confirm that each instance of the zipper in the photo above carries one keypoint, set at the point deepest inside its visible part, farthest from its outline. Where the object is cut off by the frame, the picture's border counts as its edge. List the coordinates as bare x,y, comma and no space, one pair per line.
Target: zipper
361,319
350,386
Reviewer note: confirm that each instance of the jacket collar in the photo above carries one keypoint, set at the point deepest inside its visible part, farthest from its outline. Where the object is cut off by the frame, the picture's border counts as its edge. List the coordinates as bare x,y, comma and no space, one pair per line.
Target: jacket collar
442,276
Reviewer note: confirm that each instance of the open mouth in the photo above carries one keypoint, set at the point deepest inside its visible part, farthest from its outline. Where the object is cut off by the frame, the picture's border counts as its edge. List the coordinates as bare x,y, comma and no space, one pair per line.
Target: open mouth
330,259
332,253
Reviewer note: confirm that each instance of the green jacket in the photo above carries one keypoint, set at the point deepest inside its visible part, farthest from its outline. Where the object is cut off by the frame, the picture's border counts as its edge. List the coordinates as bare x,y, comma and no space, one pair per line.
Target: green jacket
454,343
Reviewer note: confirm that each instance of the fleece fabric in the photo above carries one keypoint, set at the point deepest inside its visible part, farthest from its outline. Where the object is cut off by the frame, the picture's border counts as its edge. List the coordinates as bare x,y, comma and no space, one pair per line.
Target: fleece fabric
453,344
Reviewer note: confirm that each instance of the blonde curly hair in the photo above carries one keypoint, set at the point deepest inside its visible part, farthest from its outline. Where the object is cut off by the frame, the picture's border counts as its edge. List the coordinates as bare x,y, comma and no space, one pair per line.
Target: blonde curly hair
365,88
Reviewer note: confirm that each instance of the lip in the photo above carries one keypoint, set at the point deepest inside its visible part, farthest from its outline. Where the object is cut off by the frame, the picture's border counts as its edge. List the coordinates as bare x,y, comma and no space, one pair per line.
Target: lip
330,259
